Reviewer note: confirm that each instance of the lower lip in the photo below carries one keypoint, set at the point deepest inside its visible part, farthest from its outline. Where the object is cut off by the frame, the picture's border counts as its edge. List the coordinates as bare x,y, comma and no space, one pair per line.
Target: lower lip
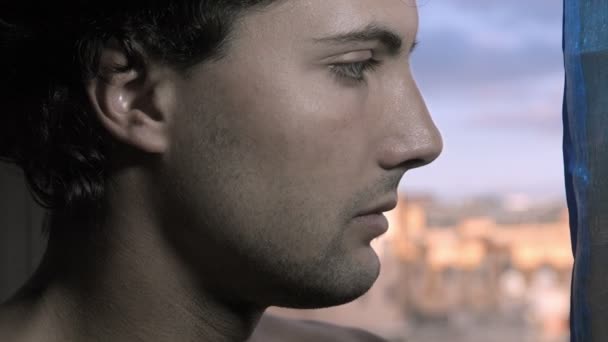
375,224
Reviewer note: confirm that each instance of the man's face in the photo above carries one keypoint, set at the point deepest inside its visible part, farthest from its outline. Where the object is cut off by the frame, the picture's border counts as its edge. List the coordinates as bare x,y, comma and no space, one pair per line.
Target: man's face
273,154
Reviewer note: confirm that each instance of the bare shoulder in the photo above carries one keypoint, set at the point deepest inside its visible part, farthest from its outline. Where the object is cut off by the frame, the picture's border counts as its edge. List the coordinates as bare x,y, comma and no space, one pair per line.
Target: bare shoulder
17,324
8,324
340,333
272,328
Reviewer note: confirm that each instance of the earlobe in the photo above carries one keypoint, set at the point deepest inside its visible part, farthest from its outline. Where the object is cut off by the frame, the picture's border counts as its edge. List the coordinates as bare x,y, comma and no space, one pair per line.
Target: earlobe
124,102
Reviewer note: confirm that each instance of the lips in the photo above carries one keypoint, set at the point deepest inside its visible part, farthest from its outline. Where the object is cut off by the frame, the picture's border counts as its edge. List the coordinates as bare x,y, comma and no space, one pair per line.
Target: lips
372,225
379,208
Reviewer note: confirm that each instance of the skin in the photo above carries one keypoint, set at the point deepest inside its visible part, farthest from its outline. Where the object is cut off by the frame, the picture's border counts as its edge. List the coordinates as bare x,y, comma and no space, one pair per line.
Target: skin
240,185
276,329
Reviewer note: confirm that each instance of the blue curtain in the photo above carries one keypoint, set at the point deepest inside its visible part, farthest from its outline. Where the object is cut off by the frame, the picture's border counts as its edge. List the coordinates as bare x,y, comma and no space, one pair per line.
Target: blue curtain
585,43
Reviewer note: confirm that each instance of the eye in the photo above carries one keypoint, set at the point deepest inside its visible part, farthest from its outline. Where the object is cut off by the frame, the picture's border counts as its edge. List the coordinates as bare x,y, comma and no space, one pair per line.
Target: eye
354,71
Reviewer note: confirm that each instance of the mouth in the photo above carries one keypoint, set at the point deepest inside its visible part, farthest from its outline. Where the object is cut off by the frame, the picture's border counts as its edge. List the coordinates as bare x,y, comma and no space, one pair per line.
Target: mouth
372,218
379,208
374,224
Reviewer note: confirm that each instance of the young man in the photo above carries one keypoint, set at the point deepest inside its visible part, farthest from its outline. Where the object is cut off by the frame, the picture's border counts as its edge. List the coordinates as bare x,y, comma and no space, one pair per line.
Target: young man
204,160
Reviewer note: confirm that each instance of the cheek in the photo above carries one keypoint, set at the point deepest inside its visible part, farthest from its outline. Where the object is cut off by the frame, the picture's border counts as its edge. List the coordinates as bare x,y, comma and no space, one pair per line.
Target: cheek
271,153
306,134
289,118
305,126
331,139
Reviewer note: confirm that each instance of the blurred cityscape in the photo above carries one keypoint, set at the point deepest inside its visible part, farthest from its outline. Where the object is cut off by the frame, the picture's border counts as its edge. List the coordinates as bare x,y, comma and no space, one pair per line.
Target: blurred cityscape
488,269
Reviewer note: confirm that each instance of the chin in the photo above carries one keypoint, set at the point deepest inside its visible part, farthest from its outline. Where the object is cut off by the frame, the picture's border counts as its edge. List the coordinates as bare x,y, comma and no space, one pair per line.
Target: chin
318,298
335,286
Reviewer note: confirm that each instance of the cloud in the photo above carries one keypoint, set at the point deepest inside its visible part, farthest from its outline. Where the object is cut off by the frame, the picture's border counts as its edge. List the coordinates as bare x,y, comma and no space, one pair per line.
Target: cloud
447,58
544,120
471,42
495,15
491,72
544,11
521,106
492,64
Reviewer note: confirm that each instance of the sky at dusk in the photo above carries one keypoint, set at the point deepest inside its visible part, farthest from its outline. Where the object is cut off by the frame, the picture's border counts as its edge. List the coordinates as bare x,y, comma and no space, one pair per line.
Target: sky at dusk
491,72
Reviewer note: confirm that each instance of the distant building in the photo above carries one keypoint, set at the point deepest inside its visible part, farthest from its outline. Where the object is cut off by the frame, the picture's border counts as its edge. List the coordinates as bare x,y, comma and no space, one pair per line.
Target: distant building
476,266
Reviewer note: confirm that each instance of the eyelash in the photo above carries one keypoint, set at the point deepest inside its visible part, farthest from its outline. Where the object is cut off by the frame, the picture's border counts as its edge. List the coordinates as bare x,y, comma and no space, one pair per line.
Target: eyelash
354,71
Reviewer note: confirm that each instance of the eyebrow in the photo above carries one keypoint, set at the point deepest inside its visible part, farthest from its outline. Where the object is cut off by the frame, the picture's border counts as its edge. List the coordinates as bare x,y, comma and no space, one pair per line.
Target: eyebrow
372,32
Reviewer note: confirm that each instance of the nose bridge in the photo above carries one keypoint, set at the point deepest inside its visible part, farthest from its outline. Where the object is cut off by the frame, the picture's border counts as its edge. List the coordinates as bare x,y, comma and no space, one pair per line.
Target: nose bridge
411,137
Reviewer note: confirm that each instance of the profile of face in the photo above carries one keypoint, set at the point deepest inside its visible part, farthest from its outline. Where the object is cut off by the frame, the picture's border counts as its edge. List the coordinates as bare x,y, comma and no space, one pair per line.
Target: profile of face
278,147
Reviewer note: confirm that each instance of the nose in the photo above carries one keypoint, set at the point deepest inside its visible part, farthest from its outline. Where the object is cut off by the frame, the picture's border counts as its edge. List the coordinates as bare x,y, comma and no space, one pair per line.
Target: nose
410,138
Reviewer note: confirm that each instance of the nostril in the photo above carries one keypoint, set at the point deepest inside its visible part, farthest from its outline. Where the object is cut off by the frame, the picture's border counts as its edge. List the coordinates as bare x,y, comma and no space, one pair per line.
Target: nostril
414,163
419,162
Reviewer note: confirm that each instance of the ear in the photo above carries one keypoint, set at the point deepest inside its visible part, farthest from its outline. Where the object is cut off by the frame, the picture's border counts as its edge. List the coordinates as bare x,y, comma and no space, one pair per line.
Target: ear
126,102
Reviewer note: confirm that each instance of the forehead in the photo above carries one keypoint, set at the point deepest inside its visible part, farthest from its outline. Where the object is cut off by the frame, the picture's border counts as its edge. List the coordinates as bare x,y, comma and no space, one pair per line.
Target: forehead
300,20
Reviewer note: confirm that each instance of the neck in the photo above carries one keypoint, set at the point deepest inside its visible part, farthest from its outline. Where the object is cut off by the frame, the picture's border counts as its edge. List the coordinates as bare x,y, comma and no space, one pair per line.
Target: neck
127,282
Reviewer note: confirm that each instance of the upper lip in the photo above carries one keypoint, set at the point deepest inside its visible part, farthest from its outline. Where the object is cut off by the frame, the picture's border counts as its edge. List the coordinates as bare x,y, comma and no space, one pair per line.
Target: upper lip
379,208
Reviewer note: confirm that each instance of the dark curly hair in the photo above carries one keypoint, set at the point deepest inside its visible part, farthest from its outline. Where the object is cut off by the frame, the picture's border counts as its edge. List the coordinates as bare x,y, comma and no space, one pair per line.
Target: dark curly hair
49,50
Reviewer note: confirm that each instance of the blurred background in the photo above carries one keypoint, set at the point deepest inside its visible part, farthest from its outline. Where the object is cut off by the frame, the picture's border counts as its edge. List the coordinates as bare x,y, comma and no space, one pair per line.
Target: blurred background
478,248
